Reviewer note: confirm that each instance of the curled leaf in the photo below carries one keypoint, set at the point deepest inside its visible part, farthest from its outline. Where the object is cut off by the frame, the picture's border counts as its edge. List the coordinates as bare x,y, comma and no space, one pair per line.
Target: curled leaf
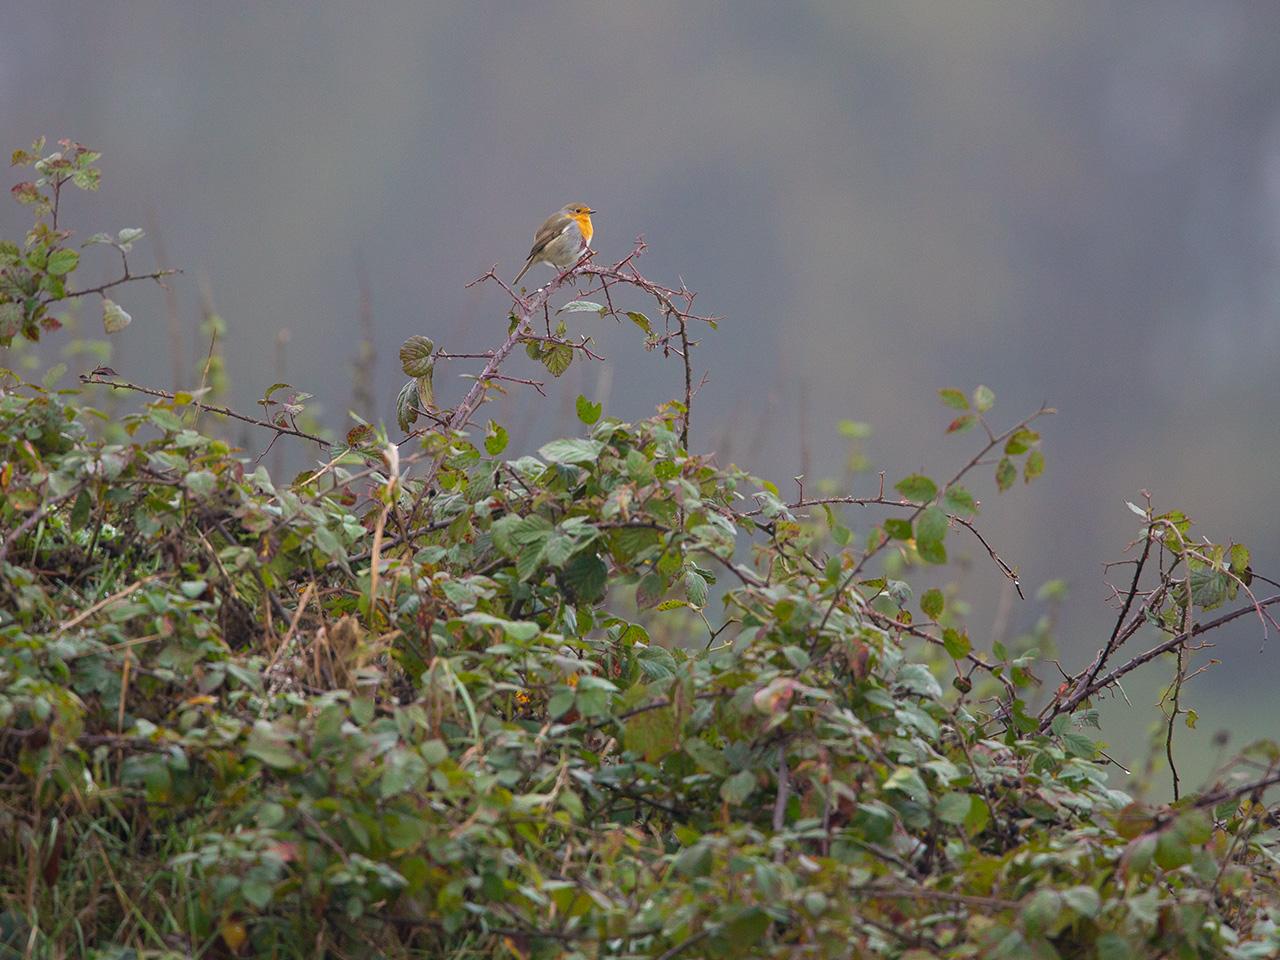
415,356
407,406
114,318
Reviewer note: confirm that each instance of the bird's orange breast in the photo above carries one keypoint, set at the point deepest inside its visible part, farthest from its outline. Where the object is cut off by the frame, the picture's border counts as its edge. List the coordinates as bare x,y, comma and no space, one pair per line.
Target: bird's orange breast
583,221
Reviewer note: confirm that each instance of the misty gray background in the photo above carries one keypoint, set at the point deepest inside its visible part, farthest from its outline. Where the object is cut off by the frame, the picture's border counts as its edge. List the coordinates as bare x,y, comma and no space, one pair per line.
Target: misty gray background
1073,202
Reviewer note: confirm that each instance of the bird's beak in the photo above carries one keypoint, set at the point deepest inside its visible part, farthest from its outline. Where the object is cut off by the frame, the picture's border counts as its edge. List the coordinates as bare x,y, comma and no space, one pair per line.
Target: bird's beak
591,211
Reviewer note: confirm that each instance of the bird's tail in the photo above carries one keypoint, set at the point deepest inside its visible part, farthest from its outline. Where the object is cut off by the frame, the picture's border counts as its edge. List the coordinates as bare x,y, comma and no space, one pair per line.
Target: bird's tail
523,271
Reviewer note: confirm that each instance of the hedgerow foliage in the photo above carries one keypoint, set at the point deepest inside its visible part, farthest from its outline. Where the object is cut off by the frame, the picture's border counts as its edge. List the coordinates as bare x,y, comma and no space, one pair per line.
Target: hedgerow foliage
611,699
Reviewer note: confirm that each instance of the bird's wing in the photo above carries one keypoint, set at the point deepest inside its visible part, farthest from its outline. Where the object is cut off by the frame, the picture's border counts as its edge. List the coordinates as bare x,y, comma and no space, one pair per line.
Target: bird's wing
555,225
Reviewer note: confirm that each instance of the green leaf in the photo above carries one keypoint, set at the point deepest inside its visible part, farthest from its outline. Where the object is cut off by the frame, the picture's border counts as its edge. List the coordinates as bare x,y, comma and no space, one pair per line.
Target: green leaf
1021,441
1112,946
582,306
932,603
495,438
1078,745
898,528
983,398
907,780
1006,473
953,807
512,532
641,321
426,391
931,530
62,262
114,318
1033,467
695,588
585,577
960,501
588,412
200,482
744,931
416,356
558,359
650,590
1083,900
954,399
571,450
956,643
917,488
80,512
739,787
651,733
978,817
407,406
962,423
265,745
1239,559
560,704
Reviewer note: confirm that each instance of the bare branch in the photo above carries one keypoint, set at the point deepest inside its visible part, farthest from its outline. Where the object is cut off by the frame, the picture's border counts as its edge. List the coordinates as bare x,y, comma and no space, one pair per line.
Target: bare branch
95,378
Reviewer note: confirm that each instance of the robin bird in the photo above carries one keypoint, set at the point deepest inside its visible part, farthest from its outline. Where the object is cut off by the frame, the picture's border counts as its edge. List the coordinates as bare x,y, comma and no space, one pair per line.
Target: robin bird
561,239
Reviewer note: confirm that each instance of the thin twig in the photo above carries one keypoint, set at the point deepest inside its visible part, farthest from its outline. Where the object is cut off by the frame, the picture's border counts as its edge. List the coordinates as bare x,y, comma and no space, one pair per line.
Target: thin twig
1085,691
223,411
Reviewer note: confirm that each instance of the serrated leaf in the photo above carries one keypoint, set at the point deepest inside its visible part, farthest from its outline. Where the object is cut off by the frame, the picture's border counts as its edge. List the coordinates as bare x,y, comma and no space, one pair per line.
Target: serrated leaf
114,318
955,399
918,488
416,356
640,320
695,588
963,423
1079,745
557,359
983,398
571,450
932,603
585,577
931,531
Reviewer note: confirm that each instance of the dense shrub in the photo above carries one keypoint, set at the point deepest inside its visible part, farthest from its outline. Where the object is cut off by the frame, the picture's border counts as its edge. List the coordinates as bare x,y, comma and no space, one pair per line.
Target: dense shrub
614,699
